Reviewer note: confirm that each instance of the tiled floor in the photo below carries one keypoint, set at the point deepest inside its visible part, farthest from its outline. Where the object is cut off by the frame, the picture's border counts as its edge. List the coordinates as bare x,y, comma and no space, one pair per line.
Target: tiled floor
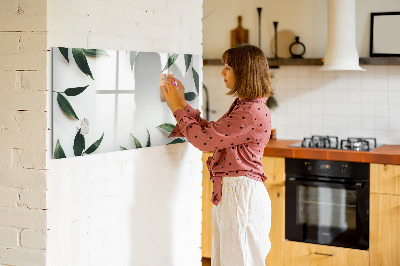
206,261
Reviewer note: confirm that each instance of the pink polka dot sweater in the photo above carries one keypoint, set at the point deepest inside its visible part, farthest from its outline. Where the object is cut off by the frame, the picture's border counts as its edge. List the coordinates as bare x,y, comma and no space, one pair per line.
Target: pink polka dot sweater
238,139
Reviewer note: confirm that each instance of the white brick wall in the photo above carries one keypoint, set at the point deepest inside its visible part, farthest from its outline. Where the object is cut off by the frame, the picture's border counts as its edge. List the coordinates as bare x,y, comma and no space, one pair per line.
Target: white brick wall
23,132
137,207
151,200
24,68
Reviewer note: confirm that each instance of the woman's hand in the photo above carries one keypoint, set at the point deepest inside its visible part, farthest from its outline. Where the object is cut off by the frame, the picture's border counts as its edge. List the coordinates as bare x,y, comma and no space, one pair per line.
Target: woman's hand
181,92
171,95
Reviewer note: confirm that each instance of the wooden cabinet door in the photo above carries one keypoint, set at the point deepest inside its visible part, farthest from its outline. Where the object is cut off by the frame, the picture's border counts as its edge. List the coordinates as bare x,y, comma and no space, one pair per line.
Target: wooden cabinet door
206,232
277,233
385,178
274,168
305,254
384,236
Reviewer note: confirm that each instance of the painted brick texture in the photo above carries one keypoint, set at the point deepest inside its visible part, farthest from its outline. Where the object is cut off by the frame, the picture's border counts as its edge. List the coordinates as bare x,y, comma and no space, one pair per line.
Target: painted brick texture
23,129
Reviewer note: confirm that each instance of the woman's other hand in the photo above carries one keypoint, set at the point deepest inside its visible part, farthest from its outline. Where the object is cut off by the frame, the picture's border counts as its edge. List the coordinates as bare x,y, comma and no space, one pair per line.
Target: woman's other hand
172,95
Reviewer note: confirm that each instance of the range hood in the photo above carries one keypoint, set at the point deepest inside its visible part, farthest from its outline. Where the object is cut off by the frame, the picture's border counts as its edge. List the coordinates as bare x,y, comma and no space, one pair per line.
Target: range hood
341,51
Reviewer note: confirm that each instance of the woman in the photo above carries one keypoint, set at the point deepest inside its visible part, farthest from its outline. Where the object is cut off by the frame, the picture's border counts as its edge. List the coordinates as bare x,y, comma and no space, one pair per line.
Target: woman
242,208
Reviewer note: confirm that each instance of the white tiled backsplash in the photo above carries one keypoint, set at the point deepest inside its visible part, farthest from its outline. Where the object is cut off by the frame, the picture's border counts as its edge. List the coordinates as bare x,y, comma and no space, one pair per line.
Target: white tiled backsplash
313,102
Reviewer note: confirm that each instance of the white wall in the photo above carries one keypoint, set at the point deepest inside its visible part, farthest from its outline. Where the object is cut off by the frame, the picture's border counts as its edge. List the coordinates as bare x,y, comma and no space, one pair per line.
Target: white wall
136,207
305,18
344,103
313,102
23,132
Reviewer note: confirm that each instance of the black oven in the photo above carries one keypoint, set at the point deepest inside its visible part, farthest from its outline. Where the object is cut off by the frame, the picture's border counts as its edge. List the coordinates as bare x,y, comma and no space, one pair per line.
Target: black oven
327,202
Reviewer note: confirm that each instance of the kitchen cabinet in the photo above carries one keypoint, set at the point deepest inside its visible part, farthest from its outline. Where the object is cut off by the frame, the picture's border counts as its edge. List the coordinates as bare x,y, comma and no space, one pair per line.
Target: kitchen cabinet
277,233
384,236
206,232
274,168
385,214
384,221
305,254
385,178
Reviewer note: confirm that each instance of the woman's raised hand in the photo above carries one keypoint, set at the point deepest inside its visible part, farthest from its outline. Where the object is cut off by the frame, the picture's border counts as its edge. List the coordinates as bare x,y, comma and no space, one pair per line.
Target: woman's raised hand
173,94
181,92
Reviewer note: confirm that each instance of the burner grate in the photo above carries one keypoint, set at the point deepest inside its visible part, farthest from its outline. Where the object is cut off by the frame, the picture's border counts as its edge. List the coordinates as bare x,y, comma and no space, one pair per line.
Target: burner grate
332,142
327,142
358,144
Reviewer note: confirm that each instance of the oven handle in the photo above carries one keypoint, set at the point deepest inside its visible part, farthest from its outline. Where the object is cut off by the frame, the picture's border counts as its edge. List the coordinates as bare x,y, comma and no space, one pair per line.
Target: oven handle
357,185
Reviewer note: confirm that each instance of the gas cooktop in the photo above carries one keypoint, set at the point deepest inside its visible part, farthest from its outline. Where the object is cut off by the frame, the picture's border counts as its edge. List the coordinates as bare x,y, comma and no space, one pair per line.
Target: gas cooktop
332,142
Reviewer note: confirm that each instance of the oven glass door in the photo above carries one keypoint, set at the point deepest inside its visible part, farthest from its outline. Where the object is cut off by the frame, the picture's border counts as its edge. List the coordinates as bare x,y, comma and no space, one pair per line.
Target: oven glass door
326,213
326,207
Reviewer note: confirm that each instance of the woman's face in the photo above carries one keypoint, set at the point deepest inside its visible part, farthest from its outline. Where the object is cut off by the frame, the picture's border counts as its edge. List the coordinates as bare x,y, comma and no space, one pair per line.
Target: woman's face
229,76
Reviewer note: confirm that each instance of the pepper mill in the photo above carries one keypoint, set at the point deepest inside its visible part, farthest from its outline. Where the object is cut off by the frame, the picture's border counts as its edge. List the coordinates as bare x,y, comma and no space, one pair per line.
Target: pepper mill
276,38
259,26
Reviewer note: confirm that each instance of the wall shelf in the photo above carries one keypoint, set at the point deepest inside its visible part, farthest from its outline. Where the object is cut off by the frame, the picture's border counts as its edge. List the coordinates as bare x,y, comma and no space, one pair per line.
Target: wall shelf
380,61
274,63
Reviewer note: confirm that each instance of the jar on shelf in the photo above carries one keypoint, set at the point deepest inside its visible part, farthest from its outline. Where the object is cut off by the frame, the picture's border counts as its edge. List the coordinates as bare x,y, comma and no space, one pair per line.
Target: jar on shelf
297,49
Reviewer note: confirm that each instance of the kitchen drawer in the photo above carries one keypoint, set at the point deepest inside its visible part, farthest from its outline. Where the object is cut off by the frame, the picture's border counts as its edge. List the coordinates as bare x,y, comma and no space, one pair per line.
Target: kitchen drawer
274,168
385,178
305,254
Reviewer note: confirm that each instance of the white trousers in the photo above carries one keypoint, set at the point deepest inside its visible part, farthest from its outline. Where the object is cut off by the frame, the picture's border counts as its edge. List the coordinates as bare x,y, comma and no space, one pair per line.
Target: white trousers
241,223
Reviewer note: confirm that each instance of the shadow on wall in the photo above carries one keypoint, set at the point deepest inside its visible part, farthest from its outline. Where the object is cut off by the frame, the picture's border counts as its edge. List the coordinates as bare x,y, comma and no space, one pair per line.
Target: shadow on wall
147,93
152,214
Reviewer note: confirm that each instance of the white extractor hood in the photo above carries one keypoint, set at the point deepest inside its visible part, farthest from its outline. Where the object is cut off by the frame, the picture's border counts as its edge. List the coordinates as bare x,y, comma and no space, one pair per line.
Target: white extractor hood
341,51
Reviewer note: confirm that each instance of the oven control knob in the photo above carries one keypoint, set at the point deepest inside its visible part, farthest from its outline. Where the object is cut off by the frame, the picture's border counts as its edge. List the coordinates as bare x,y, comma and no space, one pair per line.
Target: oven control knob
308,166
343,168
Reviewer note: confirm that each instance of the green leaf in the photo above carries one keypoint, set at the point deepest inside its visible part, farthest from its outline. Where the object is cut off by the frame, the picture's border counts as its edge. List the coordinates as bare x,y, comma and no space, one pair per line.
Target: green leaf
81,61
137,142
190,96
75,91
171,61
178,140
148,139
66,106
123,148
58,151
95,145
95,52
188,59
132,57
79,143
196,79
167,127
64,52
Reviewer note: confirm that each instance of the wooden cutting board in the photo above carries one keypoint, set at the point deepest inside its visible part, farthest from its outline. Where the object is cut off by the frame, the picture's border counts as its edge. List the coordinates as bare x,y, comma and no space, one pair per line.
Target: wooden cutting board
239,35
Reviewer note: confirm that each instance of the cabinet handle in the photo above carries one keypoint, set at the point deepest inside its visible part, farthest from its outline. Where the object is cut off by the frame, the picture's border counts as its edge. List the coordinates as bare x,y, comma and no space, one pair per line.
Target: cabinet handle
325,254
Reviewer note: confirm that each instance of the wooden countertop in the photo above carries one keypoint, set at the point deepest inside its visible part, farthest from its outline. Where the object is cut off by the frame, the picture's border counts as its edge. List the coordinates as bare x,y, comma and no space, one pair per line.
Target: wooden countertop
389,154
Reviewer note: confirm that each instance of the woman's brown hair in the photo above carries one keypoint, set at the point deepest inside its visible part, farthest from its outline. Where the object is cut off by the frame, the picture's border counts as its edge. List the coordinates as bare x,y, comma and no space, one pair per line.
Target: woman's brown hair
250,66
